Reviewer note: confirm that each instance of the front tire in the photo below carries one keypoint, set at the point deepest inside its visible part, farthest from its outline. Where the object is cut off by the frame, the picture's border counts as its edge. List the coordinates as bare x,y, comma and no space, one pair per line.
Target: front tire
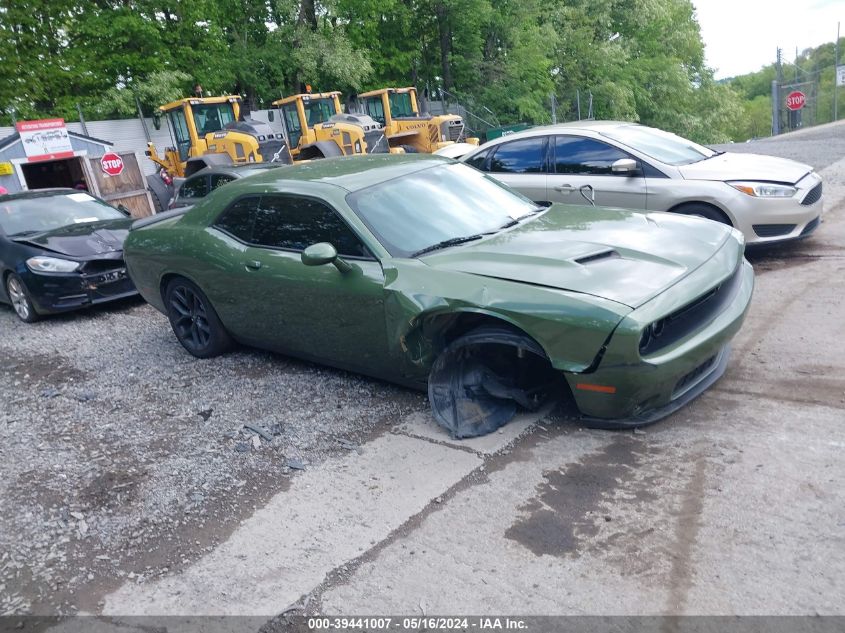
21,302
194,321
481,379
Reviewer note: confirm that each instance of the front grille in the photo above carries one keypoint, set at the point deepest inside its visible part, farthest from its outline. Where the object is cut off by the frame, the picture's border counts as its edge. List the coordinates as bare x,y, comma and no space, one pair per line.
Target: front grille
693,377
773,230
691,317
98,266
456,131
811,226
376,142
813,195
275,151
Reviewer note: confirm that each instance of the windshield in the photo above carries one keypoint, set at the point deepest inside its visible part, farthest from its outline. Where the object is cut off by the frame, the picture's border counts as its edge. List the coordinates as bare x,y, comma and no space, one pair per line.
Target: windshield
400,104
319,110
415,211
212,117
45,213
663,146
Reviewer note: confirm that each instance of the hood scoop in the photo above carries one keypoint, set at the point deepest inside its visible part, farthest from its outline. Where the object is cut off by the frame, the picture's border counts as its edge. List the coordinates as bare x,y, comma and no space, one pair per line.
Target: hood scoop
597,257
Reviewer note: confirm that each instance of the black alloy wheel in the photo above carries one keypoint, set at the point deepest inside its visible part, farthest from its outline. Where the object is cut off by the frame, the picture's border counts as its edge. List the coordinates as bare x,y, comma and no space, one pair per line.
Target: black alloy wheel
194,320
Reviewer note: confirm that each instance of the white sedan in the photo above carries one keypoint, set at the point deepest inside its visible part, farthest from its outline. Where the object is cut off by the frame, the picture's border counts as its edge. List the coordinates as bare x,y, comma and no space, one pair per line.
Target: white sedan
636,167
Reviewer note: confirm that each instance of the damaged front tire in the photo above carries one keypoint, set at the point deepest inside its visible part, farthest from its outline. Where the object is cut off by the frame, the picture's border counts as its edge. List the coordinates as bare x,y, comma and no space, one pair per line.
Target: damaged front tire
482,378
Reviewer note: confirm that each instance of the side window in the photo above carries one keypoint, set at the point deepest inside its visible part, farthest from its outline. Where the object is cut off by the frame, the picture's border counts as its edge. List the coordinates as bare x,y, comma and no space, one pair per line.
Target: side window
196,187
375,109
525,156
296,223
238,219
180,131
478,160
574,155
218,180
292,124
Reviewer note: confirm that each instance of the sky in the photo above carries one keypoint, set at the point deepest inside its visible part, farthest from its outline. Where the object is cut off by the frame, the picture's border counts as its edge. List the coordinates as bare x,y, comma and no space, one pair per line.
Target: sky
741,36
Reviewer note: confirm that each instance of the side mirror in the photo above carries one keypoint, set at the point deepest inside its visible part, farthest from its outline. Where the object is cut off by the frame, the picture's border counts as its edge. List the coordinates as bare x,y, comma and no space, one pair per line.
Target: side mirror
157,120
323,253
624,166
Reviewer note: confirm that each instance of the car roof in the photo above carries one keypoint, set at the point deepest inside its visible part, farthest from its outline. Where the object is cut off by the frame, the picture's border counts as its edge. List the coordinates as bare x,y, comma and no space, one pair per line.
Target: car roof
571,126
236,168
351,172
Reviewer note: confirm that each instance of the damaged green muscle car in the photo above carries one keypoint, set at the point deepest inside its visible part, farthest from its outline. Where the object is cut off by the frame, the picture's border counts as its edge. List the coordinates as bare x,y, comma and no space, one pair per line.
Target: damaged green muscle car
425,272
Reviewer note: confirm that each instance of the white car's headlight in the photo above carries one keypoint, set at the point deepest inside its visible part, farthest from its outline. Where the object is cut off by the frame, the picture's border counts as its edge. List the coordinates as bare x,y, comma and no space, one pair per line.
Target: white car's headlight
51,265
764,189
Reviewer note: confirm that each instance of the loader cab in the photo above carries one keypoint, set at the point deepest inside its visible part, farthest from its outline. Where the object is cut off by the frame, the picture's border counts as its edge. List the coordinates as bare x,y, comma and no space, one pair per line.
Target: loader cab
390,103
191,119
303,111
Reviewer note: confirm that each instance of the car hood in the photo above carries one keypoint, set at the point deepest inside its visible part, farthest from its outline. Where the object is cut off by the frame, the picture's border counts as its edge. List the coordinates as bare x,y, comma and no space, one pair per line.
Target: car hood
618,255
82,240
729,166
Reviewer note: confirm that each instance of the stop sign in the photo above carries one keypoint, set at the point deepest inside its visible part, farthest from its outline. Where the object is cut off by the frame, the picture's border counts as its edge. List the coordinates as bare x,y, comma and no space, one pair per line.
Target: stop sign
795,100
111,163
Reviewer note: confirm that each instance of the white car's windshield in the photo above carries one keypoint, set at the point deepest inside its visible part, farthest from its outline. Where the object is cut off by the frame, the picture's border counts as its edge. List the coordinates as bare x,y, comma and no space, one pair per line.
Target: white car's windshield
419,211
663,146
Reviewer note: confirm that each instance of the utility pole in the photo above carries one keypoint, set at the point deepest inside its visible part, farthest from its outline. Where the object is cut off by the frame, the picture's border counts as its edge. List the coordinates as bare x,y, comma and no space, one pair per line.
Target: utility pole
82,120
554,108
775,96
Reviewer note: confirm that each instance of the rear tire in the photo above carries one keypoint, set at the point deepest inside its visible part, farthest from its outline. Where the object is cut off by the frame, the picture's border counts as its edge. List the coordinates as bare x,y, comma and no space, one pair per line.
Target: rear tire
194,321
701,210
19,297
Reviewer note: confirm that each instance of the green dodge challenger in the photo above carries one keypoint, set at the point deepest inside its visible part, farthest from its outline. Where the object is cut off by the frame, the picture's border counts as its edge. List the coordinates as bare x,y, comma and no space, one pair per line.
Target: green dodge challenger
428,273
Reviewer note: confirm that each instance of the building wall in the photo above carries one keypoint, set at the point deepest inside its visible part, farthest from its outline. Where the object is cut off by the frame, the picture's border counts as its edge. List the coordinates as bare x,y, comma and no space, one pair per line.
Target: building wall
126,135
16,151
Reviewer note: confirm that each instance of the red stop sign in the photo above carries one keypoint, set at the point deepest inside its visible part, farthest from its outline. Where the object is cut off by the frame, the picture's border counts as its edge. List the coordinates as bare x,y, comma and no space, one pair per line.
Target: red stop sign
111,163
795,100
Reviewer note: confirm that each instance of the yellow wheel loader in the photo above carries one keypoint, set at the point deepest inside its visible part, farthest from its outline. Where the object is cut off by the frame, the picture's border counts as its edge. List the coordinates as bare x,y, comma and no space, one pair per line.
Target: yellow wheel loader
396,109
317,128
209,131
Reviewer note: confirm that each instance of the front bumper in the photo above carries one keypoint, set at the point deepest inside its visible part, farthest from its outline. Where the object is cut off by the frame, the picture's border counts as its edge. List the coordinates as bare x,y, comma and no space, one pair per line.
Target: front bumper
622,393
771,221
53,293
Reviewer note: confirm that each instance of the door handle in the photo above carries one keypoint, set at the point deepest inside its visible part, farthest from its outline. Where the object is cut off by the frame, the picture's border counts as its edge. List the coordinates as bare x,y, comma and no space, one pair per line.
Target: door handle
253,265
566,188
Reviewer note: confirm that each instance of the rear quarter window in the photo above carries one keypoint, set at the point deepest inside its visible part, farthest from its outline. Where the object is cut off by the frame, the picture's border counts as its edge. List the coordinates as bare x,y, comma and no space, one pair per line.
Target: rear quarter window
238,220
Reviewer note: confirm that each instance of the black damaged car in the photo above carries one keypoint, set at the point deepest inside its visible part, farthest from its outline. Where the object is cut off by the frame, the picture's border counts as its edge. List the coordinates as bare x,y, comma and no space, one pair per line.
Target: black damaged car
60,250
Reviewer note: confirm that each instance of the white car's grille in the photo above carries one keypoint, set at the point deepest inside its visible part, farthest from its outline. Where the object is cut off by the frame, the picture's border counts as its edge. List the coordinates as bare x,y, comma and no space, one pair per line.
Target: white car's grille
813,195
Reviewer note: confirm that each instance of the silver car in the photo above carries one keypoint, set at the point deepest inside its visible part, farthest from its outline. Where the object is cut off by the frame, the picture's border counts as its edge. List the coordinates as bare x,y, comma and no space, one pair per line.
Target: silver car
641,168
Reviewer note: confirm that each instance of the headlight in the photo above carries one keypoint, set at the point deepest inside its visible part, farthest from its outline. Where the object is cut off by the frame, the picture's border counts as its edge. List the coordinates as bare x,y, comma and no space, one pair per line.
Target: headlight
650,333
51,265
764,189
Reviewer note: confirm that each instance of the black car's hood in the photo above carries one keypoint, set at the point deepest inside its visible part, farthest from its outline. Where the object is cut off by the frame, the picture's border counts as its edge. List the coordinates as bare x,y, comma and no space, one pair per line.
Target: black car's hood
82,240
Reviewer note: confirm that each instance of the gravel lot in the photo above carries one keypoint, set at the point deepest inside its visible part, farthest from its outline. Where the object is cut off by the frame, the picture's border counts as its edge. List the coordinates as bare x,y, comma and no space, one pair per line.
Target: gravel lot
123,456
